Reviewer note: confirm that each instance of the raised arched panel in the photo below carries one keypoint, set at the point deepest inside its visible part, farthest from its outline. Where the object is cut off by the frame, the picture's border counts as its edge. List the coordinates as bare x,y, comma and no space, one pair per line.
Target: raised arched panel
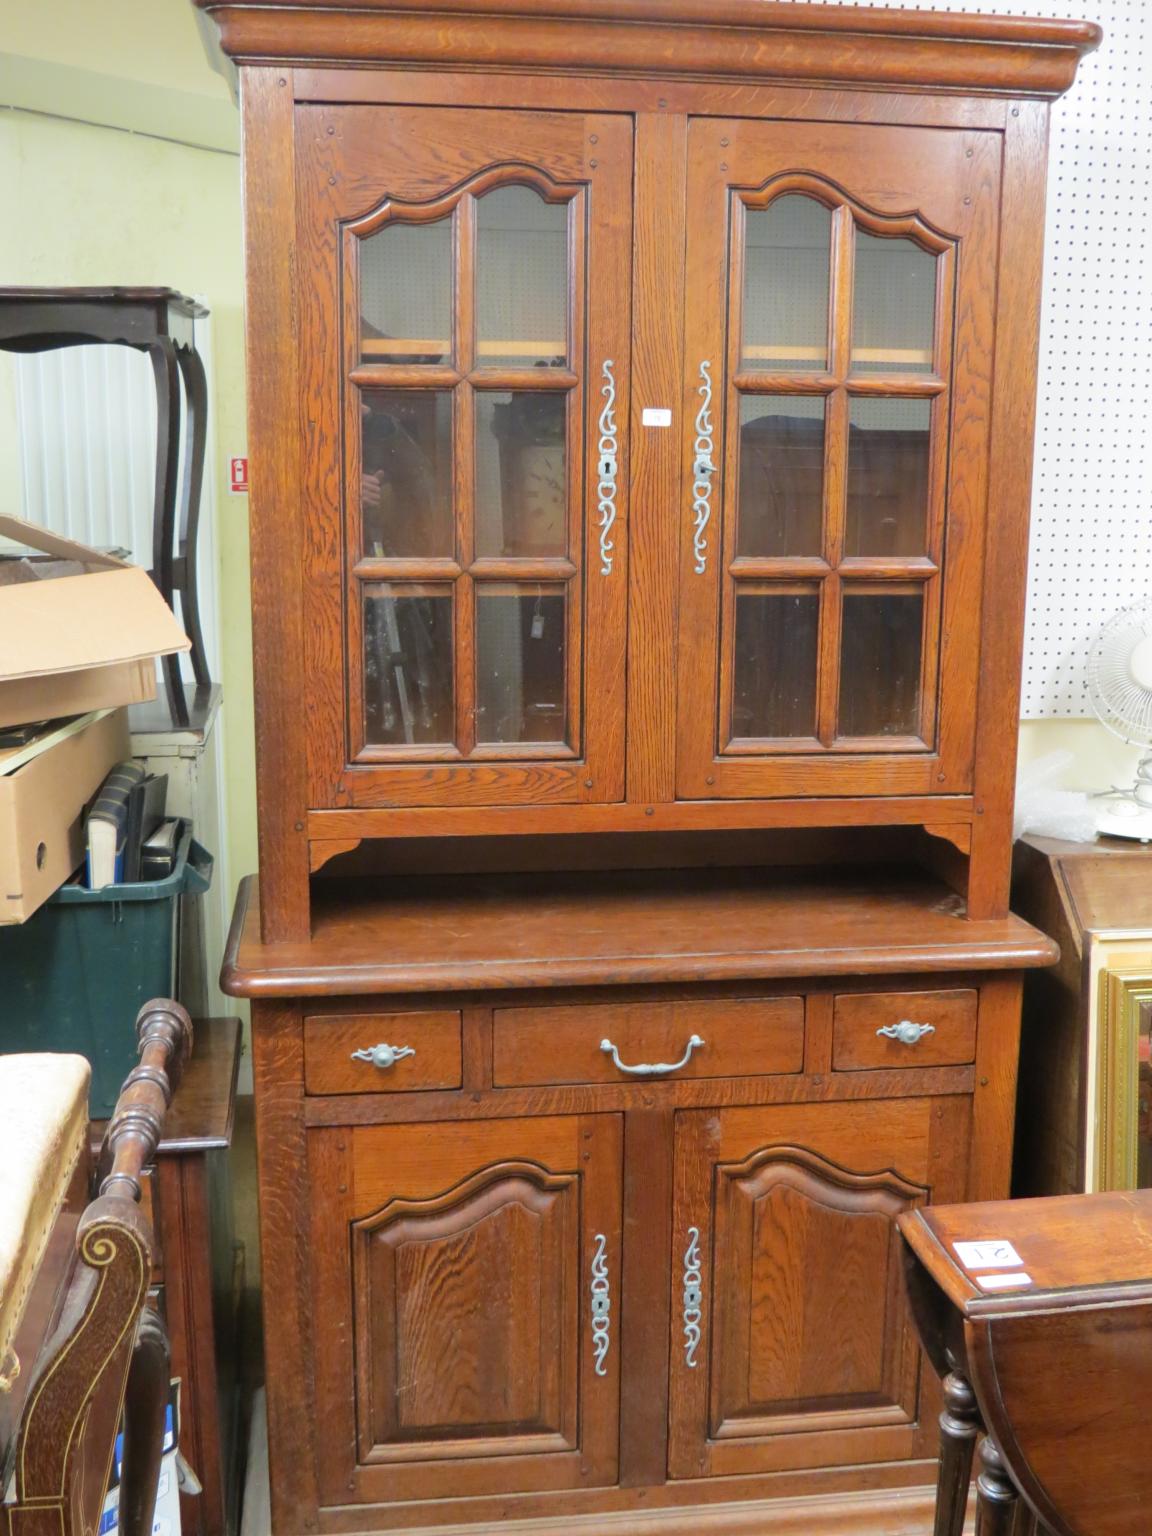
490,1266
810,1316
793,1346
467,1276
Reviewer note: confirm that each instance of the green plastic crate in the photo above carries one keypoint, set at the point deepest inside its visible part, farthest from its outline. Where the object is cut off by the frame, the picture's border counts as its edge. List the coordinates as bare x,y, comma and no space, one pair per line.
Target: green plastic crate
75,975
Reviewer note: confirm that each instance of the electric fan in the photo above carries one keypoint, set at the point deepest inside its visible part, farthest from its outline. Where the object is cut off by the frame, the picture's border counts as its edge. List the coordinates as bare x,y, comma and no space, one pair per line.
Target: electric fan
1120,687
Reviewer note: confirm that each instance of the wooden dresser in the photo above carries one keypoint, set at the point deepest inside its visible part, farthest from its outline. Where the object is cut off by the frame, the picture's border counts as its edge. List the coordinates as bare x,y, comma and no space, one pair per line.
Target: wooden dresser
1085,1099
641,397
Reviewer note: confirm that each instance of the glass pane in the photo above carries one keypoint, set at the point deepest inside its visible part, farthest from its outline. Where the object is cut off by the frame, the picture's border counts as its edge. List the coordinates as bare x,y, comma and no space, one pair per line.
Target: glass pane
893,317
781,497
406,473
787,255
880,663
521,481
406,293
521,280
520,650
887,477
774,669
408,663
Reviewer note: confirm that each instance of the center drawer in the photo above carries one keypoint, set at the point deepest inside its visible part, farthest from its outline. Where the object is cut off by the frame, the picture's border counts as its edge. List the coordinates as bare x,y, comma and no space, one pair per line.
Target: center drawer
622,1042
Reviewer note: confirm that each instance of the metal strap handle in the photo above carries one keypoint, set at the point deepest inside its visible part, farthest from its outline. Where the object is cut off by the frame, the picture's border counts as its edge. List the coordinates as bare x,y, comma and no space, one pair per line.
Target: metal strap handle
651,1068
606,466
693,1297
601,1304
906,1032
383,1055
703,469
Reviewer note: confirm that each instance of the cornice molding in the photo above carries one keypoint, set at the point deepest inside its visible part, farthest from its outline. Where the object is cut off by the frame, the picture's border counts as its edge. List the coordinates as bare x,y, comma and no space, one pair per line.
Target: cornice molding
746,40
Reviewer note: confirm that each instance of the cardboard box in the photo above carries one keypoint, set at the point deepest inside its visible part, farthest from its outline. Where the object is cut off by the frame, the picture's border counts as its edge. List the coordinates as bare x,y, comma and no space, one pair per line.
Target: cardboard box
42,808
78,631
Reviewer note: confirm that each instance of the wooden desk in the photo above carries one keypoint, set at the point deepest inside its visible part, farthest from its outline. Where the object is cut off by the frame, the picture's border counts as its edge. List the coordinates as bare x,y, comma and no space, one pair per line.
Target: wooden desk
1055,1364
197,1274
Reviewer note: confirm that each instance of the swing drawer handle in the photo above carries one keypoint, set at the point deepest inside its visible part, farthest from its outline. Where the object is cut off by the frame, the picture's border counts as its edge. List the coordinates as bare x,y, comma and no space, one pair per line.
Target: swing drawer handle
651,1068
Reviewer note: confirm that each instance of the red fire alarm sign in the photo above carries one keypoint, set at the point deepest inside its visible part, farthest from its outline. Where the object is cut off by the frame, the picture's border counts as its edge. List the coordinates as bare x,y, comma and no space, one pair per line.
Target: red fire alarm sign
238,476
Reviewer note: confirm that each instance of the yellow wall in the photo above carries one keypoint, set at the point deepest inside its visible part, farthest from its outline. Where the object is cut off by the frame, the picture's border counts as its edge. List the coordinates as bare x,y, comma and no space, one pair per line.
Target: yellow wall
90,205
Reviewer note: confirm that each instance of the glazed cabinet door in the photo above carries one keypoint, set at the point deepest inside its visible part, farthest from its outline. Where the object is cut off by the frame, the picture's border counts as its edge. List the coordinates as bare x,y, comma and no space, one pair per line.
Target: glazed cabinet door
792,1343
465,1292
839,346
464,279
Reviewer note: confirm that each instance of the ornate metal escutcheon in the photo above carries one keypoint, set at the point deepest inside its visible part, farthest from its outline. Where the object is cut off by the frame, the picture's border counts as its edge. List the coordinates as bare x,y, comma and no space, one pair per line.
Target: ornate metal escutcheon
906,1032
702,469
601,1305
382,1055
606,467
693,1297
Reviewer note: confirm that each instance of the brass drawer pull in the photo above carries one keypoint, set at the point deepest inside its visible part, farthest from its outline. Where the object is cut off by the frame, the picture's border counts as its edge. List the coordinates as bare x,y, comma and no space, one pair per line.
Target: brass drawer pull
651,1068
383,1056
906,1032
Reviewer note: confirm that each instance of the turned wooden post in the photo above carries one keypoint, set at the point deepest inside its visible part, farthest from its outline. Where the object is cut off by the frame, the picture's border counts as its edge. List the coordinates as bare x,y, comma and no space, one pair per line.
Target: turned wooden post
164,1032
959,1426
996,1498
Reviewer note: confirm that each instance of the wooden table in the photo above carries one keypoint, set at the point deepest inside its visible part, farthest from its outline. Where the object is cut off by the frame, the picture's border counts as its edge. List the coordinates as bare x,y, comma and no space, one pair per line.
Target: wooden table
1044,1341
196,1278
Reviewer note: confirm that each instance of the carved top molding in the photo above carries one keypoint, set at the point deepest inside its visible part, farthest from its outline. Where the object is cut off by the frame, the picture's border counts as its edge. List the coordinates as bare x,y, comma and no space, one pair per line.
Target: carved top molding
747,40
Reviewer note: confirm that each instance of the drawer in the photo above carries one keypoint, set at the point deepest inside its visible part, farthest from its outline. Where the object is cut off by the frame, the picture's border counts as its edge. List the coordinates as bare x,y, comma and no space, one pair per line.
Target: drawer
331,1041
742,1038
947,1034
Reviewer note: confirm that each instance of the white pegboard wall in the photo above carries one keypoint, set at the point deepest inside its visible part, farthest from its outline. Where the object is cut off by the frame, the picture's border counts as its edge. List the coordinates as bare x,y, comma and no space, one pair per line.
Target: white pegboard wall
1091,545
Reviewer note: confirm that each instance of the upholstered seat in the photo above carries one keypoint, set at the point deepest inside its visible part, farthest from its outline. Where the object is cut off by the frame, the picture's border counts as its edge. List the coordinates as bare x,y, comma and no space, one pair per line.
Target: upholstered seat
43,1130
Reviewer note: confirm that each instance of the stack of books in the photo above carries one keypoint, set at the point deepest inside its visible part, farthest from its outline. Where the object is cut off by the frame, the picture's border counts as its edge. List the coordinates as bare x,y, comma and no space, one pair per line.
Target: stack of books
128,837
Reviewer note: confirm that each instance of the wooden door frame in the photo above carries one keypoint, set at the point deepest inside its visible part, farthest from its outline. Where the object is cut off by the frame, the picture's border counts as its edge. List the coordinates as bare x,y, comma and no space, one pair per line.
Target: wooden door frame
345,186
725,158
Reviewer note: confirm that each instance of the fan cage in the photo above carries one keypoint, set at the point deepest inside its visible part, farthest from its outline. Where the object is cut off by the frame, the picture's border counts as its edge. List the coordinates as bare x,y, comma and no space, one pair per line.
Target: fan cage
1121,703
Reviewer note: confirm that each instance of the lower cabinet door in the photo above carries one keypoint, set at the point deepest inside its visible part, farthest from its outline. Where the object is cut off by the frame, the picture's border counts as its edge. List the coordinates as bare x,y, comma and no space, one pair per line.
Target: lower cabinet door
465,1282
792,1341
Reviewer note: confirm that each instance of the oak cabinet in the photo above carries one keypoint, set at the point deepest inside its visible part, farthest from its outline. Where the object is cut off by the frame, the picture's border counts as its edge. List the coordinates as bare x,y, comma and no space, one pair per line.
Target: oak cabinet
480,1352
793,1342
466,331
641,448
640,411
469,276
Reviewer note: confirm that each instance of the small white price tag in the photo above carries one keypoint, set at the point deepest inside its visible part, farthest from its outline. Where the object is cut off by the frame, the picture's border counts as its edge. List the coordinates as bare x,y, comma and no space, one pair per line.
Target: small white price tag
992,1253
1003,1282
656,416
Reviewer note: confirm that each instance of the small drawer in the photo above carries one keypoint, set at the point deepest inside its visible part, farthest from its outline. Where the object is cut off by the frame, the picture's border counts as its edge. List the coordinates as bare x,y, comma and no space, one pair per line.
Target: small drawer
742,1038
940,1030
426,1052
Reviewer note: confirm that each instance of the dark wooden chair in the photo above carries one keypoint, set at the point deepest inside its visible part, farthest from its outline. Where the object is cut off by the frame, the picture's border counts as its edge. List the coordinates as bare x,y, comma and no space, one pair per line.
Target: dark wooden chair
80,1345
1042,1334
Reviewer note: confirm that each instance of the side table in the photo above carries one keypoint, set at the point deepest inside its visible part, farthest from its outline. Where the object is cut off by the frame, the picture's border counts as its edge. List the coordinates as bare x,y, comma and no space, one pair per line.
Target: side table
1037,1314
197,1275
